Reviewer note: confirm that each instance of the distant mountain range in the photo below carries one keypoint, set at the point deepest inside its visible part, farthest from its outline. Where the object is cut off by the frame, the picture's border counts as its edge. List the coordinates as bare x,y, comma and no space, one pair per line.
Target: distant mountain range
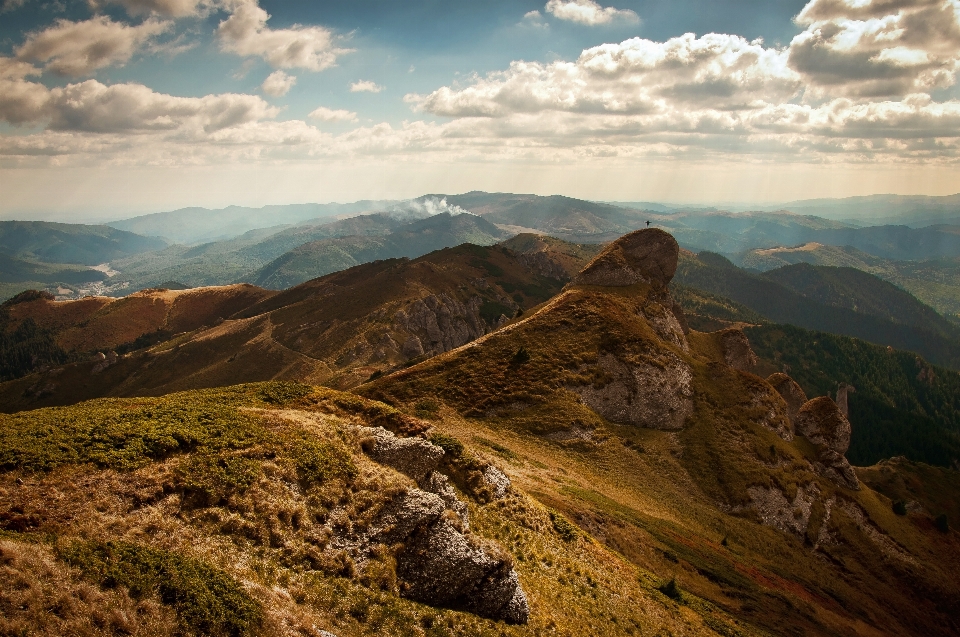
198,225
911,210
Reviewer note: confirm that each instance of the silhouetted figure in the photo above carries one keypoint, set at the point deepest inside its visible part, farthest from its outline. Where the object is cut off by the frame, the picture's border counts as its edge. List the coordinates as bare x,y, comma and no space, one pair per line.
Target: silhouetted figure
648,224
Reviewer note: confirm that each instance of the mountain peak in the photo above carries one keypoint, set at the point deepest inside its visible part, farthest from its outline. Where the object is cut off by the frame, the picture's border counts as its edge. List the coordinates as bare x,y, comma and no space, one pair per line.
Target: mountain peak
648,256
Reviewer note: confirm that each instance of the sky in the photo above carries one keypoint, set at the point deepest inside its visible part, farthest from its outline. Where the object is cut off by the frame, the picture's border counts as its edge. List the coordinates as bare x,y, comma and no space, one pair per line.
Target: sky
110,108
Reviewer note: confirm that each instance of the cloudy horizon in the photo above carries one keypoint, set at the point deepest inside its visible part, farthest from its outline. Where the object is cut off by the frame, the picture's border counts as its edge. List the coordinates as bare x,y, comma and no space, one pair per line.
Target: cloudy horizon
121,107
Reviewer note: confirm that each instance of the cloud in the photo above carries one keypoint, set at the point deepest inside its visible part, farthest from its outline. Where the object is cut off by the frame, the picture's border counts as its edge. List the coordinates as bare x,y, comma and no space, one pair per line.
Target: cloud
365,86
325,114
278,84
79,48
587,12
246,33
877,47
166,8
635,76
533,19
10,5
93,107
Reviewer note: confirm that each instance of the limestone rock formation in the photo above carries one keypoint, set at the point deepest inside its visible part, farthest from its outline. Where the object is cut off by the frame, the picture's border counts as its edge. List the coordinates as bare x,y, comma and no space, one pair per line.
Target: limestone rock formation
736,350
439,564
821,422
439,323
656,393
842,392
662,314
413,456
648,256
791,392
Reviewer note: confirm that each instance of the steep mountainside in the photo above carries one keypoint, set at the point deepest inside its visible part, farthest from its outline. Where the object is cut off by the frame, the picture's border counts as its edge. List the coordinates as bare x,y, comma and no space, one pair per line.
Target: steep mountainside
778,303
337,330
70,243
653,440
407,240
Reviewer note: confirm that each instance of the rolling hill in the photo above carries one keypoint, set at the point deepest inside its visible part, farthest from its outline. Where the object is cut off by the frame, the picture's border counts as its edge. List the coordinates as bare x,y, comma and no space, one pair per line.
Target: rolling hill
886,316
336,330
935,282
70,243
199,225
407,240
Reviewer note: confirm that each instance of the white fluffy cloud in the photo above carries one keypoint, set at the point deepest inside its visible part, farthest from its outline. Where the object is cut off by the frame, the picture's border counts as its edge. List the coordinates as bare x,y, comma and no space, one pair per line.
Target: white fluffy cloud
79,48
246,33
325,114
878,47
633,77
365,86
588,12
278,84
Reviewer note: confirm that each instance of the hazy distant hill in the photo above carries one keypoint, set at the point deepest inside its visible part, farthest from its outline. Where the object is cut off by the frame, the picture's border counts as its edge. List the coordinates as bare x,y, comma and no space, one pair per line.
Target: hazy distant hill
71,243
563,217
408,240
196,225
873,321
936,282
910,210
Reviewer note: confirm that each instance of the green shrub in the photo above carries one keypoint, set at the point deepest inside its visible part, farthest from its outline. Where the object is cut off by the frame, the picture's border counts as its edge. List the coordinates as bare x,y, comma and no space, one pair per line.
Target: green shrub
209,478
207,600
563,527
900,507
450,445
522,356
426,408
283,393
671,589
318,461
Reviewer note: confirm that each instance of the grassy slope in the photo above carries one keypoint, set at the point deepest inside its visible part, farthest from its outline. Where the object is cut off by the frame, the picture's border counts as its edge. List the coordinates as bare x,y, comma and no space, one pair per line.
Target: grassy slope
251,522
657,497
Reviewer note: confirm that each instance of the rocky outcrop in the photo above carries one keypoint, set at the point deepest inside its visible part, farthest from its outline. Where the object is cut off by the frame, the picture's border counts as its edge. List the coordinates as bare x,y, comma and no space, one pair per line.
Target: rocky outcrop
843,391
414,457
439,564
644,256
439,323
443,566
821,422
737,352
789,516
791,392
660,310
656,393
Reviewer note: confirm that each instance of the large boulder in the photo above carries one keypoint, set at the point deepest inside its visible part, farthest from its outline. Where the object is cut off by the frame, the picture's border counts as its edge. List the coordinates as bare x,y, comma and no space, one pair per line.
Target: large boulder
644,256
791,392
415,457
736,350
821,422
